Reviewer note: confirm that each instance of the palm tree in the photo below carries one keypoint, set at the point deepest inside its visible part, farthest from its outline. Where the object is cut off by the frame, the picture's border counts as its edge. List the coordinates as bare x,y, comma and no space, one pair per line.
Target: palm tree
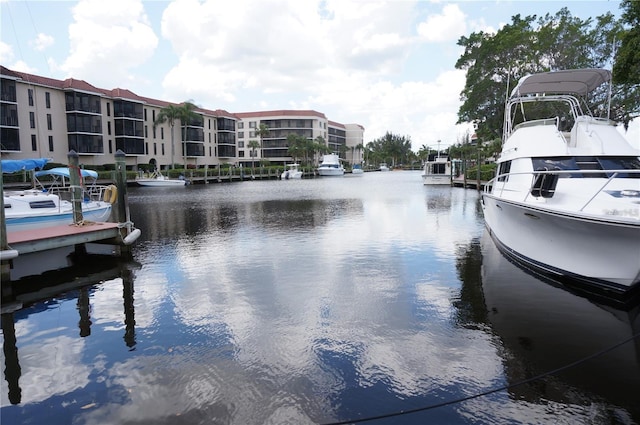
186,115
169,114
253,144
262,131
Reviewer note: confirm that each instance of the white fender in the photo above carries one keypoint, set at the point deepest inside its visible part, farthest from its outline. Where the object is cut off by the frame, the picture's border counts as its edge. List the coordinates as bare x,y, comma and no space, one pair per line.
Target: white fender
132,237
9,254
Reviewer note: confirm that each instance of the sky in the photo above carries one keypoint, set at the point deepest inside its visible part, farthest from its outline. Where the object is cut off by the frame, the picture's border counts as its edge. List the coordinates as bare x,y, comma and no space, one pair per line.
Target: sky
386,65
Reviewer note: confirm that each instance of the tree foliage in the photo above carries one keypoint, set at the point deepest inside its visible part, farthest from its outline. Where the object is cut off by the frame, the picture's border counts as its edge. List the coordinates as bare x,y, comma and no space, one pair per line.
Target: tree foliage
626,69
300,147
495,62
391,148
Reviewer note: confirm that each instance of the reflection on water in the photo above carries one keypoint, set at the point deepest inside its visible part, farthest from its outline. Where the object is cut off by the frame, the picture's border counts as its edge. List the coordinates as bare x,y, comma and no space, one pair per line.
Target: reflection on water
309,301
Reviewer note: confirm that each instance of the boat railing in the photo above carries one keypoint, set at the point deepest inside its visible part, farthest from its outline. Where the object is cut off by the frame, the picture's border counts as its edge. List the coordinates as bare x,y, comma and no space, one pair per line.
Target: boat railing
538,175
89,193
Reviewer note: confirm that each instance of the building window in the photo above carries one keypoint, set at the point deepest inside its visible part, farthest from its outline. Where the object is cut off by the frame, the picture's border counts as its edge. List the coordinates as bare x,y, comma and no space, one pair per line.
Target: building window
252,134
32,120
47,99
153,115
146,148
146,130
34,143
30,92
163,149
209,124
110,146
108,109
50,143
162,133
155,148
252,124
241,135
49,123
240,154
109,128
240,125
145,114
154,131
241,144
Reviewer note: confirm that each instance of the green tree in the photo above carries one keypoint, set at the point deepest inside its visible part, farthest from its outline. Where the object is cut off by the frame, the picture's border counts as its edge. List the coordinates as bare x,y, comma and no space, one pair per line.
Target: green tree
187,116
169,114
296,146
495,62
254,145
626,69
261,132
391,148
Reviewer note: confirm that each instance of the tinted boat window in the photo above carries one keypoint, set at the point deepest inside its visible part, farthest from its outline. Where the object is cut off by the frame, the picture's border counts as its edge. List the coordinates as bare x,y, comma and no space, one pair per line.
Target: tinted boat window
621,163
550,164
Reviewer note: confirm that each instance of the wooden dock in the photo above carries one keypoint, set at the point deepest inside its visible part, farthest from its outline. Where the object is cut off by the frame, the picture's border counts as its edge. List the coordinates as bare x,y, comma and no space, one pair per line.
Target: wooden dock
28,241
120,232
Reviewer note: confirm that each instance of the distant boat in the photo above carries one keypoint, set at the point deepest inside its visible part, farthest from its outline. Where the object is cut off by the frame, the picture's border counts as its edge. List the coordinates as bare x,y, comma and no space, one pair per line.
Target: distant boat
50,204
357,169
157,179
384,167
437,170
567,188
331,166
292,172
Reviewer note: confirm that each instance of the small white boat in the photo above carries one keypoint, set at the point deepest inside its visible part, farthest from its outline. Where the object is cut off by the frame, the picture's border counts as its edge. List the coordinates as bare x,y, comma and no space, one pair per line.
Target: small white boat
384,167
157,179
437,170
292,172
50,204
357,169
567,188
331,166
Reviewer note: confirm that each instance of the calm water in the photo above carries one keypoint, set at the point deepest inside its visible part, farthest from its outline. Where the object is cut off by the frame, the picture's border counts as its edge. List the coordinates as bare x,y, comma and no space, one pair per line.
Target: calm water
312,301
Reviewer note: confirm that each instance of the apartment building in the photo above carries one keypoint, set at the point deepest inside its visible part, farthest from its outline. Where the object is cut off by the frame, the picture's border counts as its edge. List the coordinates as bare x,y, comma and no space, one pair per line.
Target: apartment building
45,117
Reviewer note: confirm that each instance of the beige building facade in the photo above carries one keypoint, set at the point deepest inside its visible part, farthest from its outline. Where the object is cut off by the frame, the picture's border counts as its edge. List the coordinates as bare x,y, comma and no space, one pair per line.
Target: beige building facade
47,118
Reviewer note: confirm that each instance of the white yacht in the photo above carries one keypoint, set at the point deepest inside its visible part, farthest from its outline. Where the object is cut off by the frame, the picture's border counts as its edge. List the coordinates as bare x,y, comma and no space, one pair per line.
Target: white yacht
331,166
566,196
292,172
437,170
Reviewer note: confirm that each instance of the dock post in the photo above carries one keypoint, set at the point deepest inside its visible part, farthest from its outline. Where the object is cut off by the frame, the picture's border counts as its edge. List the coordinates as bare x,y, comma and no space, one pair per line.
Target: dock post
75,180
122,204
76,189
5,265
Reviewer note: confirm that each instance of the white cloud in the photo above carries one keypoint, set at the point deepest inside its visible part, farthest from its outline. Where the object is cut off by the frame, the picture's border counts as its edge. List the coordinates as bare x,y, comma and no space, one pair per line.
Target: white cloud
447,26
42,41
6,52
107,39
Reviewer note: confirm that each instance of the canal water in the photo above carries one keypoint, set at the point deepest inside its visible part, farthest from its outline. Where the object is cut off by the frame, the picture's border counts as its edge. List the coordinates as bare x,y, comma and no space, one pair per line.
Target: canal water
361,299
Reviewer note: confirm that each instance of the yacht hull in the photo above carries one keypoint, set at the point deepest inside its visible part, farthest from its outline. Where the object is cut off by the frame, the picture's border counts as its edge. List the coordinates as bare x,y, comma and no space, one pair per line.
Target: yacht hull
596,252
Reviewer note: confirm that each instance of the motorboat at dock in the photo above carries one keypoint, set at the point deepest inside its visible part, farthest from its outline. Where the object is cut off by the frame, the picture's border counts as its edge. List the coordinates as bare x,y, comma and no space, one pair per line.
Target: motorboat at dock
157,179
566,196
292,172
437,170
331,166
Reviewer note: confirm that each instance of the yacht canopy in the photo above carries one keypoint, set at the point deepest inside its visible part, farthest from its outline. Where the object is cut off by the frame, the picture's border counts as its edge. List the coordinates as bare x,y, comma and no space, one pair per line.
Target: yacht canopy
573,81
64,172
13,165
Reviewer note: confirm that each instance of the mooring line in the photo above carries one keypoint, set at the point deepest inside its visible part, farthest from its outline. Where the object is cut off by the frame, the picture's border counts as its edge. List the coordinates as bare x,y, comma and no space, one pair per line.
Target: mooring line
482,394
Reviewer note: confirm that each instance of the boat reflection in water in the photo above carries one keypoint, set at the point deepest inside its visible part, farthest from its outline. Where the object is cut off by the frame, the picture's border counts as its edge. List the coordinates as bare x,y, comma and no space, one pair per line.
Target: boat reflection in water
544,327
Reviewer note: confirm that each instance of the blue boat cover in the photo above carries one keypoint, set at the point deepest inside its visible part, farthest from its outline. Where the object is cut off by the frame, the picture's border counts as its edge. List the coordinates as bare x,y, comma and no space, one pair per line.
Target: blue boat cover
13,165
64,172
